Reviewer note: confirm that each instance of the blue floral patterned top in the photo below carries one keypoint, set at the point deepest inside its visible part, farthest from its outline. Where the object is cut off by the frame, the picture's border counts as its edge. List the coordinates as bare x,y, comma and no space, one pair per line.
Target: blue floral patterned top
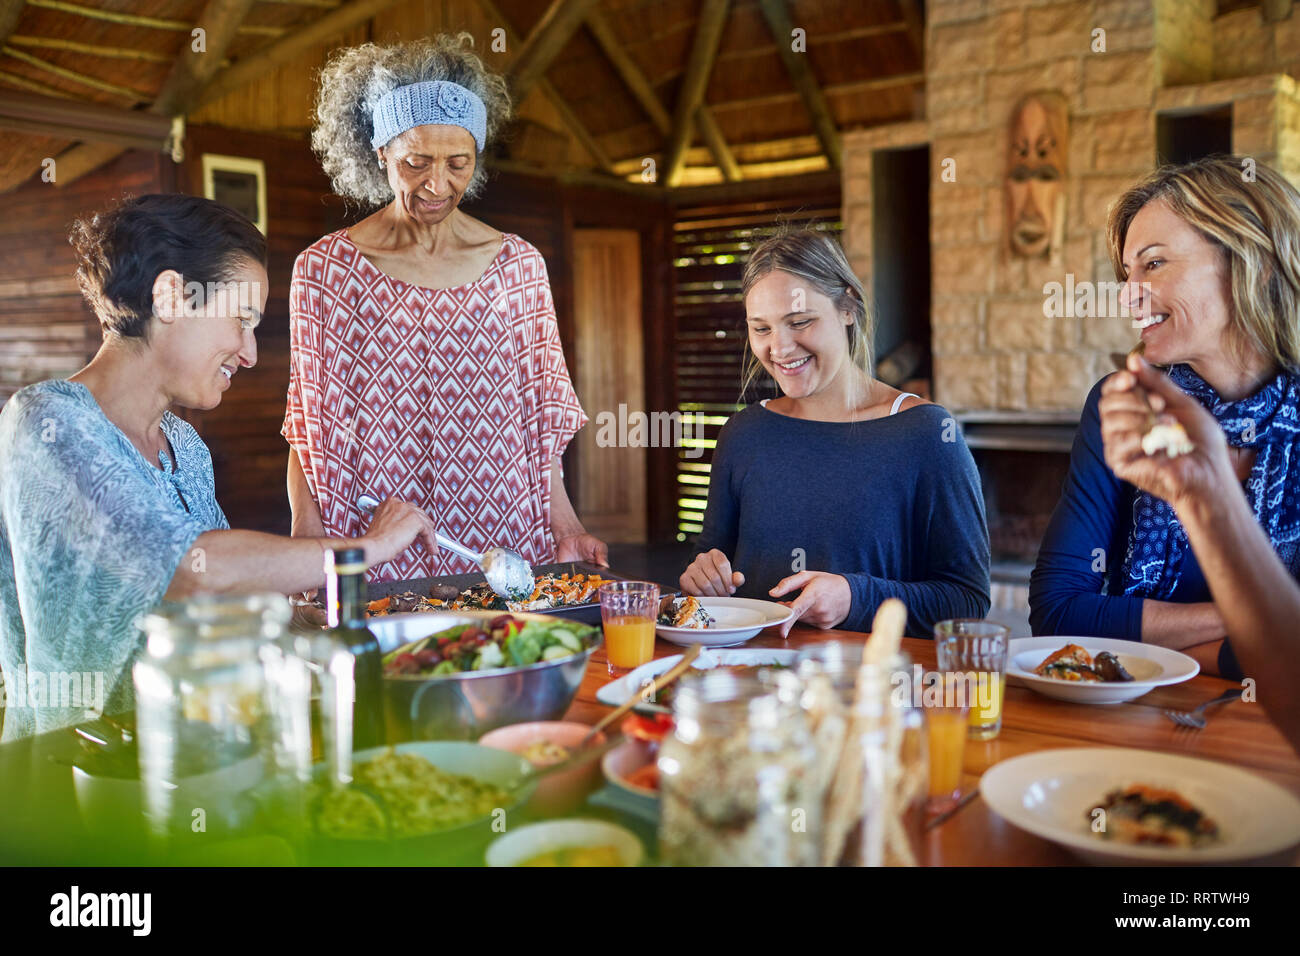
90,536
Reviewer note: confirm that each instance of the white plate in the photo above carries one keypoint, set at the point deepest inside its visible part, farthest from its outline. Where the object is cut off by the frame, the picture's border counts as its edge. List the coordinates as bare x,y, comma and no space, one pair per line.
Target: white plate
1150,665
1049,794
616,692
738,619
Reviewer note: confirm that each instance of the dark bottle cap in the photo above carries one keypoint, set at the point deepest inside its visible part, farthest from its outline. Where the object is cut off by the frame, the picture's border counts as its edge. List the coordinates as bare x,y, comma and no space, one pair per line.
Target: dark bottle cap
345,560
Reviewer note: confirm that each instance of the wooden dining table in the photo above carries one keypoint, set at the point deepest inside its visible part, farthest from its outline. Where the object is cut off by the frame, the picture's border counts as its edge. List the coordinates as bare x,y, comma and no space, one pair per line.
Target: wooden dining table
1238,733
40,822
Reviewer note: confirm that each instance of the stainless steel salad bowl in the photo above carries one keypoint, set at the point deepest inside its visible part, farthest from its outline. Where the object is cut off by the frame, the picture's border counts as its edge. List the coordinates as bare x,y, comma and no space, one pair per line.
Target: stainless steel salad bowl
466,705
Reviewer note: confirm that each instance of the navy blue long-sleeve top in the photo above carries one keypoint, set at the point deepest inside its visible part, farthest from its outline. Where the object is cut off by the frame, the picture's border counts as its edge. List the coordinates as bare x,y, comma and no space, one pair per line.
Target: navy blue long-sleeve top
1077,587
893,504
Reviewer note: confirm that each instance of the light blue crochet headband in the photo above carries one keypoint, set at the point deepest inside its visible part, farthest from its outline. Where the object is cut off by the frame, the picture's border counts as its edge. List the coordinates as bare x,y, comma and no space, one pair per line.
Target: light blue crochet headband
436,102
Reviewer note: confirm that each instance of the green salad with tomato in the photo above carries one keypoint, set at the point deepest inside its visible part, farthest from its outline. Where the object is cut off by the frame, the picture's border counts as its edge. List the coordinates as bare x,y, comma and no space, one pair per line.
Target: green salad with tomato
504,641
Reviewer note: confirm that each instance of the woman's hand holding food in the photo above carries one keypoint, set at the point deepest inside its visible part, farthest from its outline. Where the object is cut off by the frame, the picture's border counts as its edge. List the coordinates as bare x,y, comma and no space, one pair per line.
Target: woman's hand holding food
824,601
1203,474
710,575
394,526
582,547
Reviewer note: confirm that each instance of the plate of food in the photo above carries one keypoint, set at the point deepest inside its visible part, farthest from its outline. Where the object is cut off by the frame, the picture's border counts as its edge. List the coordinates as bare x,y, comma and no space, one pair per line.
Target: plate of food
616,692
1116,805
1095,670
716,621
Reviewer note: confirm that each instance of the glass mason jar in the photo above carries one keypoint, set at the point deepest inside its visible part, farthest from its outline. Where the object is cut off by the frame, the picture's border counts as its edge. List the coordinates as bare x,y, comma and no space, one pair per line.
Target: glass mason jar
875,783
204,711
735,775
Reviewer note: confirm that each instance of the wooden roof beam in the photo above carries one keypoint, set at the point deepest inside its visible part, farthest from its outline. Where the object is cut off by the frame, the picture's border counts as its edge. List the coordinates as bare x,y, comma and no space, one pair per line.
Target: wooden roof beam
89,49
558,24
250,67
708,33
10,11
135,96
189,75
193,72
567,116
79,120
644,93
801,75
914,22
717,144
134,20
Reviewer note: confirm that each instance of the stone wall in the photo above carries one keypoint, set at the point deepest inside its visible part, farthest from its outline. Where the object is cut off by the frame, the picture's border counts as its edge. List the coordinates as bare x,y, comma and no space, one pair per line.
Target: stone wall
993,346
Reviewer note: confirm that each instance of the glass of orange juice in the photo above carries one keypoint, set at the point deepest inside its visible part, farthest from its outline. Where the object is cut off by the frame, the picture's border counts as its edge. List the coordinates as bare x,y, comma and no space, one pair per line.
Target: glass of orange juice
976,651
628,610
946,727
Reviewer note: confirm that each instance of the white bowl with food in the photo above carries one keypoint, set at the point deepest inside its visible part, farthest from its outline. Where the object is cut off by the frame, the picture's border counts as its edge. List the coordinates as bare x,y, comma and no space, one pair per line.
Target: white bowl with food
1116,805
716,621
1090,670
616,692
567,843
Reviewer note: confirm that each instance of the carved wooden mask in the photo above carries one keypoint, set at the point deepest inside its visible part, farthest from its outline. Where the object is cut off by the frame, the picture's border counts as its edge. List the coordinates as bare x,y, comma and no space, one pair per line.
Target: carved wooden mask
1038,146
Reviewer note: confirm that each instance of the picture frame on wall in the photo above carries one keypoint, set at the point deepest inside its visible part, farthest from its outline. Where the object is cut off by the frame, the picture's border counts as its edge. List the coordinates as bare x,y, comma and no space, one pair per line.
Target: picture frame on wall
237,182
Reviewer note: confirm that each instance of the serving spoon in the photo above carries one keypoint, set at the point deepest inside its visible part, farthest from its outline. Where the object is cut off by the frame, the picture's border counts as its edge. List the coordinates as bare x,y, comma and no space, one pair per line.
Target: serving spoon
506,571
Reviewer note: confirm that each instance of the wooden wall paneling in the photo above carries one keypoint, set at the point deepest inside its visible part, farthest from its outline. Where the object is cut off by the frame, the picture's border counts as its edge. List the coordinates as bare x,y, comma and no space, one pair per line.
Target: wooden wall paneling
46,328
607,307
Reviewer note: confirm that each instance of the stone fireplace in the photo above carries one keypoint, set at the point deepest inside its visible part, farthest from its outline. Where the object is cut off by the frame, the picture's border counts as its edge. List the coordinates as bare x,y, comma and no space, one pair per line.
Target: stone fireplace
1142,82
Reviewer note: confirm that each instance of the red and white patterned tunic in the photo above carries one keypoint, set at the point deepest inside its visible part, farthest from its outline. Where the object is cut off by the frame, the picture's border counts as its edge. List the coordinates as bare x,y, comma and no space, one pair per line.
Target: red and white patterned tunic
453,399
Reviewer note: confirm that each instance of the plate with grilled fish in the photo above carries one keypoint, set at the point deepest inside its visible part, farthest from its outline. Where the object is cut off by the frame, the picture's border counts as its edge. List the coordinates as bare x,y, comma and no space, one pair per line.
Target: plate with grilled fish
1095,670
716,621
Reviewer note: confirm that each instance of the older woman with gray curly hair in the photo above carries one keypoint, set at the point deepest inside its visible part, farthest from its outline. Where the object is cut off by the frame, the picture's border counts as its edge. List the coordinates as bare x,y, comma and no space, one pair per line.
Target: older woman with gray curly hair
425,357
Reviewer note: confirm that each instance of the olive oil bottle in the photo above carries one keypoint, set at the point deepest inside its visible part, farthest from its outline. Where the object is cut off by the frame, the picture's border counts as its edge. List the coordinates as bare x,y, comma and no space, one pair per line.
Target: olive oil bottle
345,604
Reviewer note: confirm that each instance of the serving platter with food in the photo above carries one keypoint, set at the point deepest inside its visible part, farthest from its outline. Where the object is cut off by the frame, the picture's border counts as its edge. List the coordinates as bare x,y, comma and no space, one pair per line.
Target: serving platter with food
1118,805
1095,670
716,621
567,590
617,692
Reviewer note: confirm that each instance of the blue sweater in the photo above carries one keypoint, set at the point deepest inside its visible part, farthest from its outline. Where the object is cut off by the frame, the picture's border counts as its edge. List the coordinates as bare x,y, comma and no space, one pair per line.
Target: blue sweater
1077,588
892,504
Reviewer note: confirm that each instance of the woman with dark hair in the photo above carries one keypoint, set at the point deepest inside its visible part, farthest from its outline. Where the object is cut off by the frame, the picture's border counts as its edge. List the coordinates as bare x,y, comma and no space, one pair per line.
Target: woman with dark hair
107,502
1211,265
842,489
425,355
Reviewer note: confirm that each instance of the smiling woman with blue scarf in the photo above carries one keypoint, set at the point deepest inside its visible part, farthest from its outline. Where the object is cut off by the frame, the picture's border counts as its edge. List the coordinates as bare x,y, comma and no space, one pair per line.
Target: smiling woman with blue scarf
1211,261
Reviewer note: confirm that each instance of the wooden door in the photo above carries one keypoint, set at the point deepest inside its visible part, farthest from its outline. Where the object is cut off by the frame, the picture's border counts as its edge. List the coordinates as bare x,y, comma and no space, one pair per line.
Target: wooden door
608,365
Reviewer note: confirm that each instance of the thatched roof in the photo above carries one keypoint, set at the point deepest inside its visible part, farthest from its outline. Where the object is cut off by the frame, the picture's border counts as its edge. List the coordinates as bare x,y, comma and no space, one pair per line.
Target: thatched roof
709,89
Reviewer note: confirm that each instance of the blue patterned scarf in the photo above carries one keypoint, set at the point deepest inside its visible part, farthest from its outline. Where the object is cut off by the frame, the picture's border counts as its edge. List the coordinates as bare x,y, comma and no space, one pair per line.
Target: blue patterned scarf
1268,421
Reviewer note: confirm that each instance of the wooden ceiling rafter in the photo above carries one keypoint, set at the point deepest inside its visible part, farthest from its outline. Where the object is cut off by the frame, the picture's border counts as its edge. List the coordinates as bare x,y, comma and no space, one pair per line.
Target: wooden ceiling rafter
639,86
704,48
544,43
136,20
190,74
73,76
914,21
567,116
778,20
248,68
71,119
88,49
10,12
22,82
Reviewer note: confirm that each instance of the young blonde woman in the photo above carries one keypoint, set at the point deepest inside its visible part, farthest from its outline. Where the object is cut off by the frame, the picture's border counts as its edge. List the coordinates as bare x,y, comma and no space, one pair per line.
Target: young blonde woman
843,491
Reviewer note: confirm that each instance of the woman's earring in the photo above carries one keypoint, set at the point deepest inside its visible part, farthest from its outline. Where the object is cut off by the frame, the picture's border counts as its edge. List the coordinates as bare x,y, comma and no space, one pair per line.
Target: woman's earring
382,164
